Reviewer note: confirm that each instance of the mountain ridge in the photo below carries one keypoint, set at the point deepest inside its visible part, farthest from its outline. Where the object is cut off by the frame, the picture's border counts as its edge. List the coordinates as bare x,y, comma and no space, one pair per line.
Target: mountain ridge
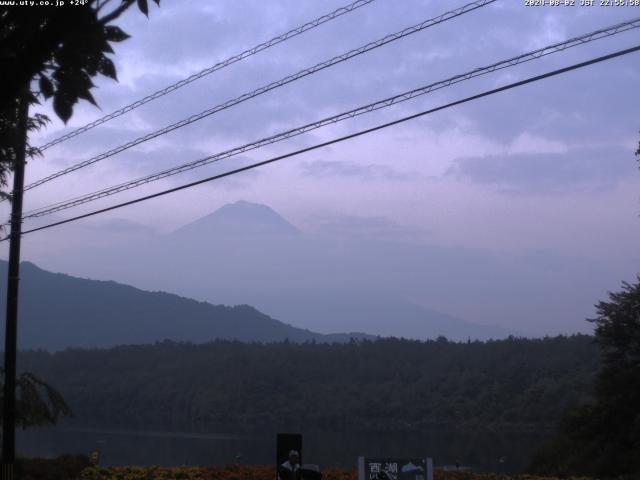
59,311
247,253
241,217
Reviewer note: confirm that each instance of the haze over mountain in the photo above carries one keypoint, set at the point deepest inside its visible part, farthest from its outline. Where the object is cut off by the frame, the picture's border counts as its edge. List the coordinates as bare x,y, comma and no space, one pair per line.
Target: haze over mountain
246,253
527,215
59,311
361,275
238,219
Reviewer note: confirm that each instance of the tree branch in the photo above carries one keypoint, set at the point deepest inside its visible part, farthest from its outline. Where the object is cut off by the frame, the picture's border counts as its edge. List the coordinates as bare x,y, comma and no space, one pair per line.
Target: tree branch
117,12
102,4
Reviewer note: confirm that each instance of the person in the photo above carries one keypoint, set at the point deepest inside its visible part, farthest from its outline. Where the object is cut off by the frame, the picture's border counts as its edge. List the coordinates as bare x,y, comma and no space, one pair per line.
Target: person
289,469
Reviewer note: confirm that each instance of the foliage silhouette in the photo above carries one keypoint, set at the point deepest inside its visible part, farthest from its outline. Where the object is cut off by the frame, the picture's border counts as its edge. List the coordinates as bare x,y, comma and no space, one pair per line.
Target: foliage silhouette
37,403
49,52
602,437
386,385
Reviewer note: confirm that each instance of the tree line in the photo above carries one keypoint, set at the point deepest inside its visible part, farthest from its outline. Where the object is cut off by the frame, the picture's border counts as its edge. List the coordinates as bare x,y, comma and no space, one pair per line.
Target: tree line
382,385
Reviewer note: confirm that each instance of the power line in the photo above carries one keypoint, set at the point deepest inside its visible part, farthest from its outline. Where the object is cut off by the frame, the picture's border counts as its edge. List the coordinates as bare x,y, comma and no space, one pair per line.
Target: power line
380,104
209,70
344,138
271,86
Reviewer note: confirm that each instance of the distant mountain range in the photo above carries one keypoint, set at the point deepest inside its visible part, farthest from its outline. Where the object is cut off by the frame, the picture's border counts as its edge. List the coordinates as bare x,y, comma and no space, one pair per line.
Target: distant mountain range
59,311
267,262
247,254
238,219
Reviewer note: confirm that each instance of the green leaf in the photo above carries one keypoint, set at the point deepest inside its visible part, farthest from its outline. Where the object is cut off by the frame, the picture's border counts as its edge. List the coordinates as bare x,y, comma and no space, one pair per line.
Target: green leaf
86,95
46,87
91,65
115,34
107,68
106,47
144,8
63,106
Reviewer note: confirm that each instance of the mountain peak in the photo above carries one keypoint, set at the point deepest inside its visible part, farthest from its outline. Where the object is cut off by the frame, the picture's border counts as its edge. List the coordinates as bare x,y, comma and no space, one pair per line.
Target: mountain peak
241,217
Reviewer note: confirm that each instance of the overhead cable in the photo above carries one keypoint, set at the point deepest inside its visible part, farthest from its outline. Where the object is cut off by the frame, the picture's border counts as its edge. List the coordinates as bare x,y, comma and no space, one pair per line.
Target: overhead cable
344,138
209,70
380,104
271,86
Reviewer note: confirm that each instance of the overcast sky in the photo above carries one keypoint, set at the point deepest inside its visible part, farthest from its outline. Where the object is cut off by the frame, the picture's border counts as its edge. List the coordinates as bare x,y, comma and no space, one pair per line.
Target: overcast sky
546,171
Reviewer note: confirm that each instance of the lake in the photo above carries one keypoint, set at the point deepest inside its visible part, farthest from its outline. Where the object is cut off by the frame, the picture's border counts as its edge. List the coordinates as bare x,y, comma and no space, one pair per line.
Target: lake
508,452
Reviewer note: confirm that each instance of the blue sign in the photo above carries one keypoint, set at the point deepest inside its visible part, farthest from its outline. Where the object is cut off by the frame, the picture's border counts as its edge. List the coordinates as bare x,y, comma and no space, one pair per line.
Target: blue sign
395,469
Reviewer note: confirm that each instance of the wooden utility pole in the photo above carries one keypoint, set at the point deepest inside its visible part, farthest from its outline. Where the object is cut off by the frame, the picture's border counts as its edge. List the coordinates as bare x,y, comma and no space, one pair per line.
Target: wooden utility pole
13,280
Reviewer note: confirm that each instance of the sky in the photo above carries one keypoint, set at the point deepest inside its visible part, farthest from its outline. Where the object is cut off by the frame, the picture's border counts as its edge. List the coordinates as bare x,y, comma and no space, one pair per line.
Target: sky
544,175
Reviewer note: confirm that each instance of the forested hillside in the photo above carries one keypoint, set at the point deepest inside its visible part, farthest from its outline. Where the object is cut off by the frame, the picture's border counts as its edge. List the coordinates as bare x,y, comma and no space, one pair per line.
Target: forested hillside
59,311
387,384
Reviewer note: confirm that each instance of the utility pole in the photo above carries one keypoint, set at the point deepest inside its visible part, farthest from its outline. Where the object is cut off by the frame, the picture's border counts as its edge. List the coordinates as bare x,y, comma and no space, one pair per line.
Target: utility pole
13,280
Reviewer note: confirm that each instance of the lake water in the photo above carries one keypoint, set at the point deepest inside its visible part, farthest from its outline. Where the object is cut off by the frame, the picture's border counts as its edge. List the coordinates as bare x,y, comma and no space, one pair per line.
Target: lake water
507,452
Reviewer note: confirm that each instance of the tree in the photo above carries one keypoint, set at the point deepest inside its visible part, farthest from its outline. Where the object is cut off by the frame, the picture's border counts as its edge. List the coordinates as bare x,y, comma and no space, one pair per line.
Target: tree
50,52
616,413
603,437
45,52
37,403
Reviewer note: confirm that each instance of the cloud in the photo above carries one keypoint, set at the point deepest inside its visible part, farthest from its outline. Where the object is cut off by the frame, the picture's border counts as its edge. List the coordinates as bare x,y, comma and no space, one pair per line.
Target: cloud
537,141
371,227
203,34
588,169
330,168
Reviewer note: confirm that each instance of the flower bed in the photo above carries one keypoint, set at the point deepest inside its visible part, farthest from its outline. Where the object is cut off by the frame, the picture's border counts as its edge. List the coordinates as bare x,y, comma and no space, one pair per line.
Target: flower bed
259,472
64,467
